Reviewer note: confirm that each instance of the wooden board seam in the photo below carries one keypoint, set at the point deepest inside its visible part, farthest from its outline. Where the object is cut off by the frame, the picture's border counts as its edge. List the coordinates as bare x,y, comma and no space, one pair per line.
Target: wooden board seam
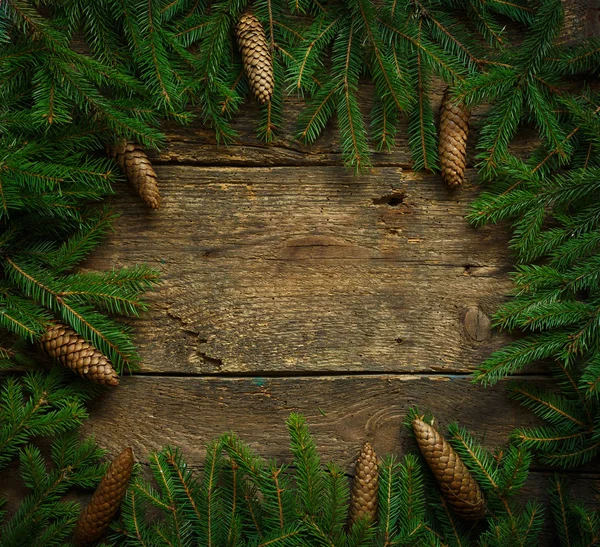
357,375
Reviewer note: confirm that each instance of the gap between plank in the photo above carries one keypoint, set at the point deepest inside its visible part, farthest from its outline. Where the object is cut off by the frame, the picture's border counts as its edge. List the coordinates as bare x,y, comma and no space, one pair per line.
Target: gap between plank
328,374
253,165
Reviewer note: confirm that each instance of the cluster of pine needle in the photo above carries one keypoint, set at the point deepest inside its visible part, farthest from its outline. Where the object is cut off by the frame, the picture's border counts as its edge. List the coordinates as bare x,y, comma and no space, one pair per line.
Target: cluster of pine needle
61,103
58,107
242,500
552,198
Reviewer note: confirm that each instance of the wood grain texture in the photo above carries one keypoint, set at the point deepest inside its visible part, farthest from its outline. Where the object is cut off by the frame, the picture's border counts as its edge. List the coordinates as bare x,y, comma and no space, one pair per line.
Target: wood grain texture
289,269
342,412
582,20
148,412
196,144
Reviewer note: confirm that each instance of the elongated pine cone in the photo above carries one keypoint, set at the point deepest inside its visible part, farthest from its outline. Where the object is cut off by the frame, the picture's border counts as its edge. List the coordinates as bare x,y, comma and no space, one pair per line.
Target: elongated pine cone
95,518
139,171
256,56
454,129
363,502
76,353
458,486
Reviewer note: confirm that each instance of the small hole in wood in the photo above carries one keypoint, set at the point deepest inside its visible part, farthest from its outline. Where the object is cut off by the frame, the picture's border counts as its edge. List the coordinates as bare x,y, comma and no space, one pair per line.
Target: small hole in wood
393,199
399,340
470,268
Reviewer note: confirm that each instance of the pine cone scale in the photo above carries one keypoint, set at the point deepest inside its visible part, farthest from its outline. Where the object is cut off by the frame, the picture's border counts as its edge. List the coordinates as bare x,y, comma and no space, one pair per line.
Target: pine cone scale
74,352
97,515
458,486
365,488
454,130
256,56
136,166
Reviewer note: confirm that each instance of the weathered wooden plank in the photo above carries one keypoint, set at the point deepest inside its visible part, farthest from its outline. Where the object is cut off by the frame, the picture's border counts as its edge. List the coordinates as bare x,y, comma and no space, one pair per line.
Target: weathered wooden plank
287,214
195,143
342,411
582,20
150,412
229,327
307,269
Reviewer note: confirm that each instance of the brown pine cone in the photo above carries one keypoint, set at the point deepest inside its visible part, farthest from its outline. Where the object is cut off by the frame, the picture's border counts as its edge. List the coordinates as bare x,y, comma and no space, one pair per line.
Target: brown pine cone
139,171
458,486
95,518
363,502
74,352
256,56
454,129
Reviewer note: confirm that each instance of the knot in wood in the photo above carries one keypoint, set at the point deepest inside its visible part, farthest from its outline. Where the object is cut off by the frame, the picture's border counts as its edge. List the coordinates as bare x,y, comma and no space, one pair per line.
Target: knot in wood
477,324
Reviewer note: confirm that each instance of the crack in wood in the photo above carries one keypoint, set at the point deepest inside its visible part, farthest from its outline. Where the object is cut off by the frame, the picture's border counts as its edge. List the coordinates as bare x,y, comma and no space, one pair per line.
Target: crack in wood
212,361
185,327
214,364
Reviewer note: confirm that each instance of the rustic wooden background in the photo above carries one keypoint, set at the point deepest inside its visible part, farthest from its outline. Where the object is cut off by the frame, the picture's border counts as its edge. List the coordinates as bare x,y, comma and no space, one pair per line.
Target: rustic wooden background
289,285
